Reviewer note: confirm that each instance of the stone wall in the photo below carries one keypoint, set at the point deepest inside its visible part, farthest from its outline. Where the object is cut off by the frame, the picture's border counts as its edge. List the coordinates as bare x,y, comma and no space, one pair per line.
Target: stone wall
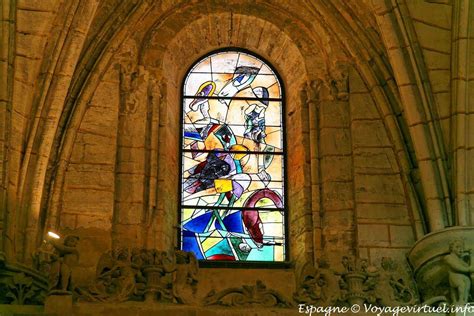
364,209
385,221
89,187
378,121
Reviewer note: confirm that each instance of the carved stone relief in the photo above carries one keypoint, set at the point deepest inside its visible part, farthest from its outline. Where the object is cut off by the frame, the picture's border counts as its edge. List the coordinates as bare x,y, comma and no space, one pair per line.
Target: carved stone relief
310,92
143,275
21,285
357,283
339,86
317,285
247,296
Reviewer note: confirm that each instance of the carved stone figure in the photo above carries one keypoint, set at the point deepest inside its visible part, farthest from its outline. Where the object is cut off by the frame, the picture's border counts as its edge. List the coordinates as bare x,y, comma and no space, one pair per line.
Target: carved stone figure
185,277
133,88
318,285
44,257
340,82
392,289
310,287
247,295
460,272
309,94
61,278
115,281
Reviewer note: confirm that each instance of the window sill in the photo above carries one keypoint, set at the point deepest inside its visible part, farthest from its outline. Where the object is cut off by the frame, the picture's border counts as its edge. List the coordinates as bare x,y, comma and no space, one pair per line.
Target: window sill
246,264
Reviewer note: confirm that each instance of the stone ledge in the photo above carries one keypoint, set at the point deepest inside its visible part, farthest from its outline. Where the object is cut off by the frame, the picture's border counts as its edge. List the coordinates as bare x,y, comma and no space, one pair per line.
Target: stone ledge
146,309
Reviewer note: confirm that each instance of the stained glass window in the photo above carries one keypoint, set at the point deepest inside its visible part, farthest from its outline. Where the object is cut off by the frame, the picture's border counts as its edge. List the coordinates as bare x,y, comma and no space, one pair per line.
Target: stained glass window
232,179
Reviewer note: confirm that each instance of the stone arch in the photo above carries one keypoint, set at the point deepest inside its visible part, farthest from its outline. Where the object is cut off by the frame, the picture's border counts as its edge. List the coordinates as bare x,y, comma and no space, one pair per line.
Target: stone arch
145,20
287,59
55,197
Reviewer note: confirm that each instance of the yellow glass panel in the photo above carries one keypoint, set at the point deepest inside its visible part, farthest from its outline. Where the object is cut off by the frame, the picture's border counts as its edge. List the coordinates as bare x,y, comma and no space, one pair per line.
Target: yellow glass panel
186,214
274,91
278,253
264,203
235,115
211,241
274,138
212,142
217,110
223,185
273,114
271,217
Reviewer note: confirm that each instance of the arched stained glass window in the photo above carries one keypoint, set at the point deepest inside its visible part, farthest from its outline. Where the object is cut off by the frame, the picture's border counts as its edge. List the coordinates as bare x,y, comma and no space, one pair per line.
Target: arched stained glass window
232,178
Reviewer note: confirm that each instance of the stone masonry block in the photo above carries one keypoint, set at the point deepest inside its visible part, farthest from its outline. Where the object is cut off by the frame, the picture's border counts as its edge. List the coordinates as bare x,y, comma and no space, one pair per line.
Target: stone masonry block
401,236
379,189
385,212
30,45
356,83
336,168
362,106
440,80
94,221
38,5
433,37
337,196
335,141
431,13
373,235
34,22
334,114
375,161
369,134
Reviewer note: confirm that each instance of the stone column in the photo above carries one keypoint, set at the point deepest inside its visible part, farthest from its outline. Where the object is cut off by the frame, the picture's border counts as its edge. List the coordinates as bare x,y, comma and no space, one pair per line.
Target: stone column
131,169
310,99
7,30
462,119
336,168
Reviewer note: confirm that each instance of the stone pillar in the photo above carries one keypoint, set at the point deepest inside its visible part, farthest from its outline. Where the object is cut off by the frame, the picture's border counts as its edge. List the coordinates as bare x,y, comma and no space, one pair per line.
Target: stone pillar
310,100
462,84
336,175
7,30
131,183
155,103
